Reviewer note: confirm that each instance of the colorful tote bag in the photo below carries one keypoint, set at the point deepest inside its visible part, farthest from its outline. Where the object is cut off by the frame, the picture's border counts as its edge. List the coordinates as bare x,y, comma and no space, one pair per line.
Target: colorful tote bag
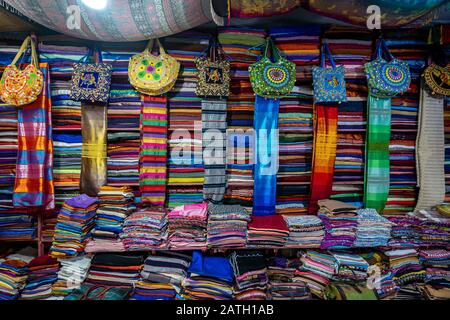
437,79
329,83
213,73
91,82
272,79
22,87
387,78
153,75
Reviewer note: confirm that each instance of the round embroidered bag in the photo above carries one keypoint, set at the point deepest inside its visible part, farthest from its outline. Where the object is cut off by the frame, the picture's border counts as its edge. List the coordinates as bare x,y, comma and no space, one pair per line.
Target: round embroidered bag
272,79
153,75
387,78
22,87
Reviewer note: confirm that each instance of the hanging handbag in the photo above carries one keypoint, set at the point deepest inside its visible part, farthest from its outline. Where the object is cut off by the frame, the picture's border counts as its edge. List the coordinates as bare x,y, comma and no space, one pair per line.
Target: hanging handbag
213,73
437,79
153,75
329,83
387,78
272,79
22,87
91,81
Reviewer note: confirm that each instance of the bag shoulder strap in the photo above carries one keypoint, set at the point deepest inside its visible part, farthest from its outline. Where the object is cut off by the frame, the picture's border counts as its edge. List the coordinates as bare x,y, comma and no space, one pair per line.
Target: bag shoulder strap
326,53
23,49
151,43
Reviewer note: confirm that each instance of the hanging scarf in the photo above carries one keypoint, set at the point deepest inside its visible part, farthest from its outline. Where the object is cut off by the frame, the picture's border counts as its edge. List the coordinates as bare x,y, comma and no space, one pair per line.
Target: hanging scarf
34,170
324,153
376,180
214,126
94,155
153,156
430,151
266,160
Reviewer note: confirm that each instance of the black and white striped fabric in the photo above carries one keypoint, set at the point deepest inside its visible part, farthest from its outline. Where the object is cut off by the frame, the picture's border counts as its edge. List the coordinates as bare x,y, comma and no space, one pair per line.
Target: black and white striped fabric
214,126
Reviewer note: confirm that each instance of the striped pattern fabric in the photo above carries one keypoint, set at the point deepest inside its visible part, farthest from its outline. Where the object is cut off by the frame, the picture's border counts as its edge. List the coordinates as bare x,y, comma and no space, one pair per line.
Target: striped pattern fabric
34,170
214,126
430,154
376,182
324,153
153,155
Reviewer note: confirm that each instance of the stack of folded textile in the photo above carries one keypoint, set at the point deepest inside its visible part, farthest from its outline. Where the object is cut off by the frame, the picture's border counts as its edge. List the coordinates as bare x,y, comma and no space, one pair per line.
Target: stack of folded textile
42,273
434,228
411,46
380,276
7,54
352,48
316,271
104,245
185,171
340,220
304,231
146,228
436,258
408,292
74,225
123,158
405,231
210,278
66,164
162,276
115,269
118,56
250,272
71,275
48,227
61,59
295,124
13,275
241,47
281,285
124,108
373,230
114,205
350,267
66,113
8,153
268,231
17,226
435,292
300,45
227,225
405,266
188,226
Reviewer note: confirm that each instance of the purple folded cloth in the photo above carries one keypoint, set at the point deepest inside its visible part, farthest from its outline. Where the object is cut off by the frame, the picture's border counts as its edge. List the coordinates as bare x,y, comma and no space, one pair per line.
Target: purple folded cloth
82,201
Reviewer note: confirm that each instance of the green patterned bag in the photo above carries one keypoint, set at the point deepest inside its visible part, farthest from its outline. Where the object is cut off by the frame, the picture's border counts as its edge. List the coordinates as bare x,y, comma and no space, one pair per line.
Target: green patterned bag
272,79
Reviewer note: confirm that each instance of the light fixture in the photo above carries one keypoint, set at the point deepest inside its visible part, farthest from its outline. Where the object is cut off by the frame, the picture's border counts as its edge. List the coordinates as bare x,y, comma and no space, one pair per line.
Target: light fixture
96,4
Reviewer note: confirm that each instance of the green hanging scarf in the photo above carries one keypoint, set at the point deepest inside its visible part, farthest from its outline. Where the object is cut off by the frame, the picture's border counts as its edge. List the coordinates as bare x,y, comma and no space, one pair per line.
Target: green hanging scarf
376,179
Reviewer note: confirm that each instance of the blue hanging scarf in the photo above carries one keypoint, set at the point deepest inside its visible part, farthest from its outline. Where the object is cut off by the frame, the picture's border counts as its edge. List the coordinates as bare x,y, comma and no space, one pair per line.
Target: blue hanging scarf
266,156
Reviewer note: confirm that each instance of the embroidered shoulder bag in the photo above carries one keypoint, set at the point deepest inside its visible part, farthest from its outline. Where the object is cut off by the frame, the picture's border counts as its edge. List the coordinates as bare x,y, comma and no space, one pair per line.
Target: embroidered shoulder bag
437,79
272,79
22,87
329,83
213,73
153,75
387,78
91,81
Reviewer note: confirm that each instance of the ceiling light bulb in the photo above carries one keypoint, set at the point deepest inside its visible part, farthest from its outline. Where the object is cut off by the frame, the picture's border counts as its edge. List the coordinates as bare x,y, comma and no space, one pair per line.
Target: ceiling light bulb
96,4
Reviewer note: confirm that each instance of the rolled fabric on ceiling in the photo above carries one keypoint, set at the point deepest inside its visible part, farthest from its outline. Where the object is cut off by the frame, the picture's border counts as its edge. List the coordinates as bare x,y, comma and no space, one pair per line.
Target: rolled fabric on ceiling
120,21
393,13
262,8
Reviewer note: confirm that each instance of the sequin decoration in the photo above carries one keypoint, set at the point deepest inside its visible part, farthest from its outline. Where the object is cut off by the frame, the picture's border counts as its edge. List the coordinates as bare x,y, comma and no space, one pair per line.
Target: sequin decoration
276,76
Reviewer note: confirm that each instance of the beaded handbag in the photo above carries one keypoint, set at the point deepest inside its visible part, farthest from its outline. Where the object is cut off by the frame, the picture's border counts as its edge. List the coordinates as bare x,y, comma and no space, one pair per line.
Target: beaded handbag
153,75
437,79
91,81
329,83
213,73
387,78
272,79
22,87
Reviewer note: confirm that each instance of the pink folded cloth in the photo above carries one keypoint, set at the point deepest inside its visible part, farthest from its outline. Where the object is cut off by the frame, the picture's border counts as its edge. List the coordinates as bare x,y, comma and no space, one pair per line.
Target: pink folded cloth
198,211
